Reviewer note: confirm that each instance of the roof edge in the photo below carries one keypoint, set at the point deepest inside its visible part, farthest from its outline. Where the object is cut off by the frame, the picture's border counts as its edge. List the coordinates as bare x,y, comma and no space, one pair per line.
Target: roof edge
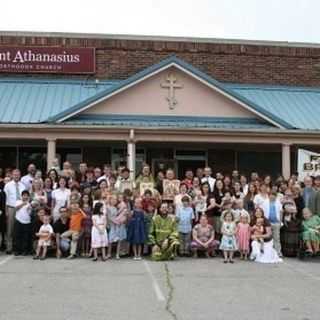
49,34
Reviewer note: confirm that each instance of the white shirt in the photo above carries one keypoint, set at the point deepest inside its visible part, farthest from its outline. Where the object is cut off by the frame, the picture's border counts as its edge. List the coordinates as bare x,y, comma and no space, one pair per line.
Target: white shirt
27,181
211,182
23,214
104,177
61,198
11,193
263,203
46,228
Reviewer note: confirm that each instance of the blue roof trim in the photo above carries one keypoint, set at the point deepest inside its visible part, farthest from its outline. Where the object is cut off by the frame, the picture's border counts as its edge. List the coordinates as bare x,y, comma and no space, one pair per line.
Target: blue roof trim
172,59
168,121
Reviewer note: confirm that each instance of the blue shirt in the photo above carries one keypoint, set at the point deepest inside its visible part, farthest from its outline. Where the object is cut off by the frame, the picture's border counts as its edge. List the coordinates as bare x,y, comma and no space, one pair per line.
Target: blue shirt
273,218
185,216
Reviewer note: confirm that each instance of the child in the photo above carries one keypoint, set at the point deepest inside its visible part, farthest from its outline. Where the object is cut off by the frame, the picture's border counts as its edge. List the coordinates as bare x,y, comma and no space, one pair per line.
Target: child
86,206
99,236
185,216
311,231
117,227
45,233
171,211
75,227
238,210
257,231
228,231
200,204
137,229
22,227
243,235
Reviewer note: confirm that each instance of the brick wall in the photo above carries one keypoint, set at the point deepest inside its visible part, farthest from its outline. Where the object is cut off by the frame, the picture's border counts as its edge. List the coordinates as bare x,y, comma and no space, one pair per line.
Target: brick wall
243,63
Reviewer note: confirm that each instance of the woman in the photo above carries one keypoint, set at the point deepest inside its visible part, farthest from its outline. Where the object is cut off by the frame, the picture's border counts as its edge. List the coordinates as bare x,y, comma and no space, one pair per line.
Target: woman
268,254
227,183
37,192
196,186
291,229
144,176
298,199
48,186
60,198
218,194
53,175
248,199
203,238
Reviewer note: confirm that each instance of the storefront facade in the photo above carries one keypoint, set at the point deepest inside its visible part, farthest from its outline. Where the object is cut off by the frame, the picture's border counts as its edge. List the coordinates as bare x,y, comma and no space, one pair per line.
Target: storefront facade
179,103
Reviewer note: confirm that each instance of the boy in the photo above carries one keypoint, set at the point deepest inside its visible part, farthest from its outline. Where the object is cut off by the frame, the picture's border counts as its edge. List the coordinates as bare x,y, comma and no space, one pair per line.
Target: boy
22,226
45,233
77,215
185,216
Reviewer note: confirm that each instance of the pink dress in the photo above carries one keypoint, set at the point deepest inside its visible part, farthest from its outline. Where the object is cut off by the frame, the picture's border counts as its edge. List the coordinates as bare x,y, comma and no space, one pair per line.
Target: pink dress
243,236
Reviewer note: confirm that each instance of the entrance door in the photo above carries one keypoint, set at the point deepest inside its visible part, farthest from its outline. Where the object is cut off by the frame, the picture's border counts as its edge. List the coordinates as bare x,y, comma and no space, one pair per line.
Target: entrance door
183,165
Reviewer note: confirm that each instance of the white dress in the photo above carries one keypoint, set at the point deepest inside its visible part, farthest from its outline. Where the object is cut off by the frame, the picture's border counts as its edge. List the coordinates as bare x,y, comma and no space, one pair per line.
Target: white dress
99,236
61,198
269,254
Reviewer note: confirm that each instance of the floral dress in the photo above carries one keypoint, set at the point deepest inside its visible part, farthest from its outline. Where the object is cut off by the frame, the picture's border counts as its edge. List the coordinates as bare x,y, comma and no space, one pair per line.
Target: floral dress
228,241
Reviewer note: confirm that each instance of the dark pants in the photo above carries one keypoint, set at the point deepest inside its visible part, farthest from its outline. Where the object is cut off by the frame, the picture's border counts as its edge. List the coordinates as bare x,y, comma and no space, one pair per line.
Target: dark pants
22,237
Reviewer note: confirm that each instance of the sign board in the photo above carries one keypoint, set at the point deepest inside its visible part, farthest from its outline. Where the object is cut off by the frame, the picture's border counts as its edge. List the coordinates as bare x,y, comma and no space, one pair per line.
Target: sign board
47,60
308,163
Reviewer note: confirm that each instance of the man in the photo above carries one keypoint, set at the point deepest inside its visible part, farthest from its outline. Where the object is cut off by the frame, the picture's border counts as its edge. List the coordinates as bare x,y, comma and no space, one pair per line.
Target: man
60,227
107,173
207,178
28,178
2,215
81,175
97,174
124,182
13,190
235,176
254,177
309,193
163,235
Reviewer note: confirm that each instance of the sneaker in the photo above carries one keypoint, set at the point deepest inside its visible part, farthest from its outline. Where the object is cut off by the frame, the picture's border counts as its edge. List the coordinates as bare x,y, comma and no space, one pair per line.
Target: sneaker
95,259
135,258
36,258
72,256
139,258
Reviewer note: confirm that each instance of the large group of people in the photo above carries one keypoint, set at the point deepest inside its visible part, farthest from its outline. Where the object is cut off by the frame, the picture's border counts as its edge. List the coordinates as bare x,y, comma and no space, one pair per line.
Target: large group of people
99,212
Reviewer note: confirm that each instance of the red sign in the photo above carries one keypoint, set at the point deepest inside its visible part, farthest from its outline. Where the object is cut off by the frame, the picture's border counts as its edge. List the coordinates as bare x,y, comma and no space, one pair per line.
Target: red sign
47,60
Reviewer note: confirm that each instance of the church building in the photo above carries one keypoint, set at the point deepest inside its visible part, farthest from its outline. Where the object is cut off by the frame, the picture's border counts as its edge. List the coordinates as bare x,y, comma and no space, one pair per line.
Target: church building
170,102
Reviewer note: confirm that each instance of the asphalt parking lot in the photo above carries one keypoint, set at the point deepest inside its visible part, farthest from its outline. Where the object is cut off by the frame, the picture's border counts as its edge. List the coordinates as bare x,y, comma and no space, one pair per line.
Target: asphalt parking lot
181,289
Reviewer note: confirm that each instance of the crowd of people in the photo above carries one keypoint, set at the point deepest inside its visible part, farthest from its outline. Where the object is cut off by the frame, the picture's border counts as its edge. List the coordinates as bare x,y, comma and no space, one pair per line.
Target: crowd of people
97,213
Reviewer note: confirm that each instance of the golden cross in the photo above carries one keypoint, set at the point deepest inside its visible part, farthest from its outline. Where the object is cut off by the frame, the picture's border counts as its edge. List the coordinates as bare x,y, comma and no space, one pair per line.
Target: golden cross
171,84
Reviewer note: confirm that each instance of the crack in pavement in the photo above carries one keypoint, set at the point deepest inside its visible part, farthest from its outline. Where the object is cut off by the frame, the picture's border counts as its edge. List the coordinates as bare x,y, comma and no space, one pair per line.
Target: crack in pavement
170,293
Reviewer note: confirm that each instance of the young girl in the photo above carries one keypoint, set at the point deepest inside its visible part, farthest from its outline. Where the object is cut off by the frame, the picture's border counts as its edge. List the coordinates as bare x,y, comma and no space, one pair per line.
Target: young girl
311,231
99,236
136,229
243,235
86,206
117,227
258,231
45,233
228,242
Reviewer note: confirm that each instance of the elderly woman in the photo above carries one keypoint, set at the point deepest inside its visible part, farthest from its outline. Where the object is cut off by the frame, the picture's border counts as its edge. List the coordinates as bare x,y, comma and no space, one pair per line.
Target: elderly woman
291,229
262,244
203,238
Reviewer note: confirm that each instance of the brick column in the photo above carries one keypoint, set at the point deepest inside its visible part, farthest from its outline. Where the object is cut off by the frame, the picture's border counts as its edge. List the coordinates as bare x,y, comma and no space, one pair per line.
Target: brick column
51,152
286,170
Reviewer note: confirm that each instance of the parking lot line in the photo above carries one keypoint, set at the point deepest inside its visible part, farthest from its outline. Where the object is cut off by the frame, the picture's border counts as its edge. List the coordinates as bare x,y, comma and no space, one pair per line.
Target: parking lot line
155,284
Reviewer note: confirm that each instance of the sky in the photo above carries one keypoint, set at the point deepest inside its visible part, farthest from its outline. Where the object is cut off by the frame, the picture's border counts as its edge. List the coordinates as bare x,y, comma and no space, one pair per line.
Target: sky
281,20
